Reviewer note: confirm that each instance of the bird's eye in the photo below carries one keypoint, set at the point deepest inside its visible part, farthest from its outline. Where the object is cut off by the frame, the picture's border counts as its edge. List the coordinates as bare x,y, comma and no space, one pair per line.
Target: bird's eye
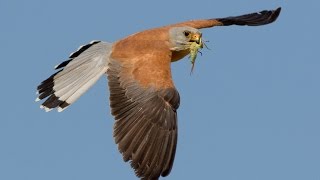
186,33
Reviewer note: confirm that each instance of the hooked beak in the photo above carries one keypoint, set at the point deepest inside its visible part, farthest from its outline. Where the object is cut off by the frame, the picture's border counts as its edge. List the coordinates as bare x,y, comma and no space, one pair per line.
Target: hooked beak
197,37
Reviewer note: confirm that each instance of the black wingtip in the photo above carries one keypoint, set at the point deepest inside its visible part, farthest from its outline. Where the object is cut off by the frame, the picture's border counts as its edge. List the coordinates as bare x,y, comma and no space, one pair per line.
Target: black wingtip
252,19
276,13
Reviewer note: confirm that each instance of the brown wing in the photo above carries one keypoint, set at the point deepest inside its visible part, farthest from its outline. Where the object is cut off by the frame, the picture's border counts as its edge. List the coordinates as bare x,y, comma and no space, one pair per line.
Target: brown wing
144,103
253,19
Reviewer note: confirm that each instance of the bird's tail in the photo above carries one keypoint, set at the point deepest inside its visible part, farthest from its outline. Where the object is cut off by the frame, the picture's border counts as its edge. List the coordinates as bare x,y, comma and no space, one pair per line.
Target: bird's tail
74,76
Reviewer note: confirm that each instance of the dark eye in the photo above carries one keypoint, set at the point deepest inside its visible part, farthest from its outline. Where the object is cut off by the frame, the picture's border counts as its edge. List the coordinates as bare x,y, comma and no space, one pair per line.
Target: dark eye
186,33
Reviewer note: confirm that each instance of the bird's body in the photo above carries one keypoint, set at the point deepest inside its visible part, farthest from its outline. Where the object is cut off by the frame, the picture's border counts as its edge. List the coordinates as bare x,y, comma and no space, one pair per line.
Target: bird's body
143,98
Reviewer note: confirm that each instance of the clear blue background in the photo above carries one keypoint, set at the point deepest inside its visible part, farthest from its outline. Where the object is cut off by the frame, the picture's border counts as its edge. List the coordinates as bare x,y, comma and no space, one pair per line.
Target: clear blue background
250,111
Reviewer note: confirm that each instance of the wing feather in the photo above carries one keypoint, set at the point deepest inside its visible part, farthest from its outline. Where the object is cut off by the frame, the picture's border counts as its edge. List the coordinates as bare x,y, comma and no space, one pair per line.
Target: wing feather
145,117
252,19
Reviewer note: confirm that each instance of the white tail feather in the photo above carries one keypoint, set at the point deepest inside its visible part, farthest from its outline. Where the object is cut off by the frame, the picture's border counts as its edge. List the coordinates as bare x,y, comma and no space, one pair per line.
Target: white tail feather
78,89
83,69
84,88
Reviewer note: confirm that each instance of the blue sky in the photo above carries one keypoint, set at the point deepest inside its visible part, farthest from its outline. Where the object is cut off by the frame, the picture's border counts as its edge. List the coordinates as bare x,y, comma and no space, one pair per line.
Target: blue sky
250,110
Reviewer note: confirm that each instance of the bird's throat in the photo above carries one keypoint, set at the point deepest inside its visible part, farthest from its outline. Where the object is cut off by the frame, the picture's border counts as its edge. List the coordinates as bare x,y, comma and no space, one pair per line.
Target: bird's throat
177,55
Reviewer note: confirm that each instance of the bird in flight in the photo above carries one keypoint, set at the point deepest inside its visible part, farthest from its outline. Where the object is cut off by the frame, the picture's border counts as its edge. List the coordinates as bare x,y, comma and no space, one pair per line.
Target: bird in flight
143,98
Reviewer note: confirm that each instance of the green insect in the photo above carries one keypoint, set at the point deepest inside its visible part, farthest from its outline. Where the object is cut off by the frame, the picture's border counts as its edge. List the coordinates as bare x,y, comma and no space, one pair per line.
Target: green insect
194,49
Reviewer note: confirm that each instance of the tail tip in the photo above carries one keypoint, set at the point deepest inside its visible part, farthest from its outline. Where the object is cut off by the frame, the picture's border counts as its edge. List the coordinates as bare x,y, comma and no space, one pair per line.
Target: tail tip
60,109
45,108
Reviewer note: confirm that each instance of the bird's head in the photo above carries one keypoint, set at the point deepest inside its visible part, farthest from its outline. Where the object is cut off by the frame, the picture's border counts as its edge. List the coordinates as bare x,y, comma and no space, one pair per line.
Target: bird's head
184,38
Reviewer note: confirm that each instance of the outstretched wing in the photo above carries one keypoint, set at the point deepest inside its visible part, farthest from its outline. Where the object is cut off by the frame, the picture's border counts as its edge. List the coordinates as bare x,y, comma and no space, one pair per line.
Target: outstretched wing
252,19
144,101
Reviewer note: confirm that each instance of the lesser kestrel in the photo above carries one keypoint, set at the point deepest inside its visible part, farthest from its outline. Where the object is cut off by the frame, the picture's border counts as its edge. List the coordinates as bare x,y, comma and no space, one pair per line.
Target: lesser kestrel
143,98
